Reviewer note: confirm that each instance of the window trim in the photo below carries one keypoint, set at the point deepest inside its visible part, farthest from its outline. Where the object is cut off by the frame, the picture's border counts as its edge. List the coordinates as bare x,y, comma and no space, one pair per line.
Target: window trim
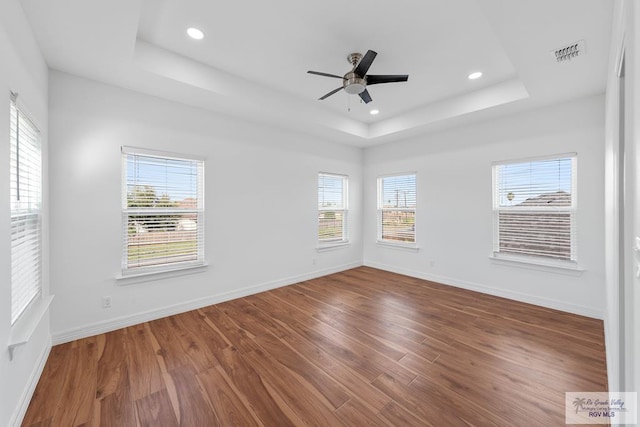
554,266
537,262
344,241
395,244
169,269
145,276
23,316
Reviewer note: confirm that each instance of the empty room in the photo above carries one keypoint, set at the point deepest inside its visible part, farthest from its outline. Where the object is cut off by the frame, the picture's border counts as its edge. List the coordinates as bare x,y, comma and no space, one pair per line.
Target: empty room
285,213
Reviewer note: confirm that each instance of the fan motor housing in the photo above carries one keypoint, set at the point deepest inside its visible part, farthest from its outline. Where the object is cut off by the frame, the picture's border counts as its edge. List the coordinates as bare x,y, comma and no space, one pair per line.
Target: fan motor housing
354,84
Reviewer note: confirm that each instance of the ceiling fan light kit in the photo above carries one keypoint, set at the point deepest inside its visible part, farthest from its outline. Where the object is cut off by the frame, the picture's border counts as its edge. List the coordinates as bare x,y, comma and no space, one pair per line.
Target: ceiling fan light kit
355,81
353,84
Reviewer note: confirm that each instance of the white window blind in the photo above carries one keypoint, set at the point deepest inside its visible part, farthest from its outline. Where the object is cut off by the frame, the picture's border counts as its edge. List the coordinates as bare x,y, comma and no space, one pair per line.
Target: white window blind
332,208
162,211
397,209
26,202
535,208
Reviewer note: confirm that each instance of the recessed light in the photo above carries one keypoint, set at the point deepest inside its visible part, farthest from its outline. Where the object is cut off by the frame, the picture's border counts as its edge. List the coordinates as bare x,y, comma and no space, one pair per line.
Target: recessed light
475,75
195,33
374,112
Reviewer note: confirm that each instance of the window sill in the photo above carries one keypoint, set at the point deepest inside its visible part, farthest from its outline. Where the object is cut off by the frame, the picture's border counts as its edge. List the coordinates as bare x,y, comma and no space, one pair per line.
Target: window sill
564,267
149,275
332,246
24,328
411,247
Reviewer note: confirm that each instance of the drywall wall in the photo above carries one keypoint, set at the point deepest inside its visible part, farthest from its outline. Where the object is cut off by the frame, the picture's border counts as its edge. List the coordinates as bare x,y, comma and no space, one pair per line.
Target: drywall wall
614,206
454,212
632,200
24,71
622,204
631,248
260,197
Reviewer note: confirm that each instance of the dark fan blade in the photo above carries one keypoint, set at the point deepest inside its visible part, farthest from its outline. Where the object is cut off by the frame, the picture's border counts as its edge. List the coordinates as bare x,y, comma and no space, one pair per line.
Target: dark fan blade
318,73
330,93
364,95
391,78
365,63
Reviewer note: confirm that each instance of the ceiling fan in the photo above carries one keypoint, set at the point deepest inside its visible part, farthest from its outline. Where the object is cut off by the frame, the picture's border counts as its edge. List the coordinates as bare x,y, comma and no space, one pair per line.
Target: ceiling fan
355,82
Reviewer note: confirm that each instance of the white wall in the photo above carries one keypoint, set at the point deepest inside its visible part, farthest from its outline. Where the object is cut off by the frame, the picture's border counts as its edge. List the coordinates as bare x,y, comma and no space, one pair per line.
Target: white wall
260,196
22,70
632,198
622,322
613,207
454,212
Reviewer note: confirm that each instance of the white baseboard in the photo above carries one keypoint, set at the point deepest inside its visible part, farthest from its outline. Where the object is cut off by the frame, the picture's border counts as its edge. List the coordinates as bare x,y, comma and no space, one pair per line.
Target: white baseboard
25,399
517,296
134,319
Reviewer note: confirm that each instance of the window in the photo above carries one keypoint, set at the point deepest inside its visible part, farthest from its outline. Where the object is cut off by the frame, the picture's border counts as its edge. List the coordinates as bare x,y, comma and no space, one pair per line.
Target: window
25,173
162,211
534,205
332,208
397,209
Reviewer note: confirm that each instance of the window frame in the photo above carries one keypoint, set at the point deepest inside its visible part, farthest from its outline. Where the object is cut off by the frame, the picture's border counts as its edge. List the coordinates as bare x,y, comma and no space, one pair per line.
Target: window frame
344,239
33,210
199,210
572,210
413,245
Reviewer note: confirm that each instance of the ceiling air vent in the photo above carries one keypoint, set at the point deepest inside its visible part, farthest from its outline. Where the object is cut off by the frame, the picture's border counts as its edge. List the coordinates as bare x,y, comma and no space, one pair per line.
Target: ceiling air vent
569,52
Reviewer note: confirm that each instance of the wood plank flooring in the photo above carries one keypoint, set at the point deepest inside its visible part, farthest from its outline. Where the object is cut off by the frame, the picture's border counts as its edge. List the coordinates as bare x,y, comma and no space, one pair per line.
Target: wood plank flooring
361,347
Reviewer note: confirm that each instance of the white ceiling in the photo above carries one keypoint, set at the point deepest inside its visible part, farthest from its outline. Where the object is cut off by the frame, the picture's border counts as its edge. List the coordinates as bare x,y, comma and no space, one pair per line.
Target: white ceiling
253,60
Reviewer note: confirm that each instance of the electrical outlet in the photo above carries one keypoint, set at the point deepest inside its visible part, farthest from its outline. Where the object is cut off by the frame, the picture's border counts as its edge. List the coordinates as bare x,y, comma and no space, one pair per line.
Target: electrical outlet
106,302
432,263
314,261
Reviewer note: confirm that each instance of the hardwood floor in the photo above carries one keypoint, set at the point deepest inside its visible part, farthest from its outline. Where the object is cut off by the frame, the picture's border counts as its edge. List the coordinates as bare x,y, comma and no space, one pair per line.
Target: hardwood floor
361,347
